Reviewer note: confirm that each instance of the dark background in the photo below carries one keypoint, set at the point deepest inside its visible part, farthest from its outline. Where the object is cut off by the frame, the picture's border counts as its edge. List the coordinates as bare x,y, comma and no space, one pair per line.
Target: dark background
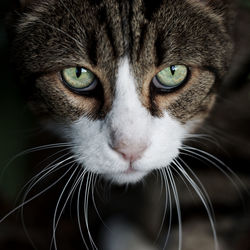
229,124
15,119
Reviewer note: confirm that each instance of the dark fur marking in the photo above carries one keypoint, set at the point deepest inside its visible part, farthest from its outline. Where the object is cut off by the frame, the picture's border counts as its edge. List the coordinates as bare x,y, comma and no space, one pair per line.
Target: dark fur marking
151,6
144,29
153,106
95,2
111,39
130,17
91,47
159,49
98,94
102,16
102,19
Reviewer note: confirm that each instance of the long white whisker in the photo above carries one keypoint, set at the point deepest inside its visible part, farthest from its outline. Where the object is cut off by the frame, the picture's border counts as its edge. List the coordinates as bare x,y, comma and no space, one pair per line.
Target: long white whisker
45,172
86,200
202,198
168,204
31,186
193,152
205,137
74,186
55,222
192,149
165,176
31,150
34,197
203,189
94,203
78,211
51,170
177,202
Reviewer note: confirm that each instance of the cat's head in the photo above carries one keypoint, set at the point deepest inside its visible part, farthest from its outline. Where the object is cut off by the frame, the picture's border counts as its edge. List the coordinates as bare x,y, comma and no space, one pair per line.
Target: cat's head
124,81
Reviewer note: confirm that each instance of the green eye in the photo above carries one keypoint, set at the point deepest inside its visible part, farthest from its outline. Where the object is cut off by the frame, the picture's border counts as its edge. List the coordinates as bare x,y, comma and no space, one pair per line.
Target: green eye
79,79
171,77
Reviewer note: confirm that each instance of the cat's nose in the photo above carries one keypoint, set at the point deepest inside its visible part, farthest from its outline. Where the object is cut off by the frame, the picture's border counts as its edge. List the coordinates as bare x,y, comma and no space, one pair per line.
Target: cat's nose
131,152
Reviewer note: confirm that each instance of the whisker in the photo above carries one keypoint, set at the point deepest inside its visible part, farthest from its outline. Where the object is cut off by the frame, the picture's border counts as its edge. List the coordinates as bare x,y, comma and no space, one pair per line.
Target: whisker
55,221
35,196
78,181
51,170
94,203
46,171
206,203
205,137
168,204
203,189
86,200
78,212
74,186
190,151
177,202
31,150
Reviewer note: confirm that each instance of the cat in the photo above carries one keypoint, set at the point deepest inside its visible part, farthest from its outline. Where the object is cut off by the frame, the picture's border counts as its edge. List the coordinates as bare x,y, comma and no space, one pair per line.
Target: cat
124,83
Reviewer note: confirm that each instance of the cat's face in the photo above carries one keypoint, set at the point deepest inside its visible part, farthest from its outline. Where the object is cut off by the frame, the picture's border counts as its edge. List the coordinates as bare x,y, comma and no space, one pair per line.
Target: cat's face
127,81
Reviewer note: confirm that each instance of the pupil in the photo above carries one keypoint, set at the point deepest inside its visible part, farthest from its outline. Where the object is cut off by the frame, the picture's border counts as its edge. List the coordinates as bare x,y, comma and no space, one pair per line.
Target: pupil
78,72
172,69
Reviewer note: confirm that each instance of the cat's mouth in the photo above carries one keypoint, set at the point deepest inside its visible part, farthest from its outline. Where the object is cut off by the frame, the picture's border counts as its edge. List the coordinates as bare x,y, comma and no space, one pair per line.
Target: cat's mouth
130,169
131,175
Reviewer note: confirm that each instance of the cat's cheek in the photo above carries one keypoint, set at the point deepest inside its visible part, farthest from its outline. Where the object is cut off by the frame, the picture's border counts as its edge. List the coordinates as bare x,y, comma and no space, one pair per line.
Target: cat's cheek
194,99
166,140
61,102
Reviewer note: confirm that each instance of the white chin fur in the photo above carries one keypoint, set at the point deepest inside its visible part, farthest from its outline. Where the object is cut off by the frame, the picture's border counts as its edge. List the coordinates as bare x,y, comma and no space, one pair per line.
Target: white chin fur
125,178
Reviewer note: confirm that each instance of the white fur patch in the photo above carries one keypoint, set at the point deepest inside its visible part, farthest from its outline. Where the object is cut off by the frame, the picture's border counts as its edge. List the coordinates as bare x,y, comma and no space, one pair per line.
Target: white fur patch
129,124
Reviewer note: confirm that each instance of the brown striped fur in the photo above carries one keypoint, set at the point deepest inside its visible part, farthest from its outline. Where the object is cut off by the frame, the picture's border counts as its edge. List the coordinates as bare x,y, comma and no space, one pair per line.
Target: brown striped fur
52,35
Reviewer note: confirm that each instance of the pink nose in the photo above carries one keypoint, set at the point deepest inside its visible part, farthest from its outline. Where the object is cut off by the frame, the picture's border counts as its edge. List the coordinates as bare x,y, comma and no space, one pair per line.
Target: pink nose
131,152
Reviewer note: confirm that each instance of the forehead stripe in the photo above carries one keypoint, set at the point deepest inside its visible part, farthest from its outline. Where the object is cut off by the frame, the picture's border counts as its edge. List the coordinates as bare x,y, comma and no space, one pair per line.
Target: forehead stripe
159,49
151,6
144,29
92,47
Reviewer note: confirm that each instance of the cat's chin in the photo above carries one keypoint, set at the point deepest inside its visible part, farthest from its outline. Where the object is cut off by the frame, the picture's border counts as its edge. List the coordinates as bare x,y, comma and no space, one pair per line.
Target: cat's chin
127,177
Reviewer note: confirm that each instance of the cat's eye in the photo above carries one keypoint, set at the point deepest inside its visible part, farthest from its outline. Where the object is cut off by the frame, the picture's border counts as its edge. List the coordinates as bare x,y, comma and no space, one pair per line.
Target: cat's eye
79,79
171,77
